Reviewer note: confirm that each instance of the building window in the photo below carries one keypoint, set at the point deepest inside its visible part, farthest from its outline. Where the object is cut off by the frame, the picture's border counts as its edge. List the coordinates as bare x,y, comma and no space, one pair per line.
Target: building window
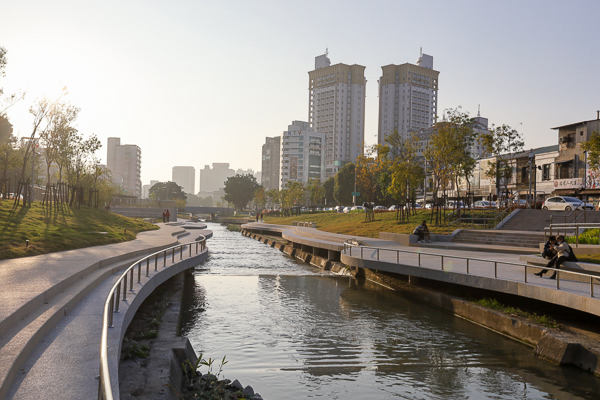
546,172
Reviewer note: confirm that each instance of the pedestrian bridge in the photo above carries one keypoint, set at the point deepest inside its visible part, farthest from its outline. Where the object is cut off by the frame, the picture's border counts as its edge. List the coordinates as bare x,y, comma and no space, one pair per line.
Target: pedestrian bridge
210,210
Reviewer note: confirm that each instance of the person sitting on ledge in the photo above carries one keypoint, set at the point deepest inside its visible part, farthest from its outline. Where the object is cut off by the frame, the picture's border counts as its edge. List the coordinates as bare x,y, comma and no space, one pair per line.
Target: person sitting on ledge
549,250
422,231
564,253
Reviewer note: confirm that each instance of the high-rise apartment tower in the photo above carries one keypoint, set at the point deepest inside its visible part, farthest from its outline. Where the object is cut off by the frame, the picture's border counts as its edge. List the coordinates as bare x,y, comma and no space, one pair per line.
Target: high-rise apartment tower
270,163
185,177
125,164
408,97
337,109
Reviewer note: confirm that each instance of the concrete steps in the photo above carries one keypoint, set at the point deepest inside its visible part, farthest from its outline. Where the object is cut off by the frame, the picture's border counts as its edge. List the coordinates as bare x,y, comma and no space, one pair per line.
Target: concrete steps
500,238
24,328
537,220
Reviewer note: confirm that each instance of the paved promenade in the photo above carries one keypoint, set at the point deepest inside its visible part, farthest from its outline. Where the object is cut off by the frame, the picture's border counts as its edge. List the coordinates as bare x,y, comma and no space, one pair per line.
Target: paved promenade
51,315
510,278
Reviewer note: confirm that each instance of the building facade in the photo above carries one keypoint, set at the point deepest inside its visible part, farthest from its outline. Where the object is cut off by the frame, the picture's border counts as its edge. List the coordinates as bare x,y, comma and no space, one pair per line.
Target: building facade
125,164
337,109
185,177
408,97
270,163
302,154
212,180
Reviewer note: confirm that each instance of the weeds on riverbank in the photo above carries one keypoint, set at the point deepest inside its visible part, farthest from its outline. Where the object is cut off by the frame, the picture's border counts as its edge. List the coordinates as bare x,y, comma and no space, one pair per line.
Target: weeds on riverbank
494,304
233,228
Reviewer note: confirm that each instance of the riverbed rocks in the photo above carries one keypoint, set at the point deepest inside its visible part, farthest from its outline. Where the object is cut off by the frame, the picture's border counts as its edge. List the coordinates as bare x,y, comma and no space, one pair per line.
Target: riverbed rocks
209,387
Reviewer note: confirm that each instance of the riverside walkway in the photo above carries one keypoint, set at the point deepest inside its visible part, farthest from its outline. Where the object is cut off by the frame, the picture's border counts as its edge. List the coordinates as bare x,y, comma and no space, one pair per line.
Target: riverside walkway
51,314
497,273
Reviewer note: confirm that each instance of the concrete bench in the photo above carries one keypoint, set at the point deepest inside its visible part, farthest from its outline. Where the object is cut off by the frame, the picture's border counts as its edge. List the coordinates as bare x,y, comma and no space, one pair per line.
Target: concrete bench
575,266
410,240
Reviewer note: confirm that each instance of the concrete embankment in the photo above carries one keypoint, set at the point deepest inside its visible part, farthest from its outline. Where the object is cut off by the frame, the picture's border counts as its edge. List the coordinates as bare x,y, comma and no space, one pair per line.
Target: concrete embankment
561,346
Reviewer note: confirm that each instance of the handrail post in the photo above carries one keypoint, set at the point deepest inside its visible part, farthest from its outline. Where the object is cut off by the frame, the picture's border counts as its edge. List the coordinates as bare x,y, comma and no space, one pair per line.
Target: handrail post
111,310
165,258
397,257
125,288
196,247
378,254
181,252
557,279
495,269
467,265
118,298
190,250
350,251
361,252
442,263
419,259
173,256
525,267
591,286
131,280
576,235
156,261
139,272
148,266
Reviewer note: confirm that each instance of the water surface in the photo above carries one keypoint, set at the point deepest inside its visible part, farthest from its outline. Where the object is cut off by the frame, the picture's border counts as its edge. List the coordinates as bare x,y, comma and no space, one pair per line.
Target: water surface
292,331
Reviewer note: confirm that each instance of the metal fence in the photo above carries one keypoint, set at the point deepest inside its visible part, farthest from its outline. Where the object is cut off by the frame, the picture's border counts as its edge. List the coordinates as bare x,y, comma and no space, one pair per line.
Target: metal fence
114,298
359,252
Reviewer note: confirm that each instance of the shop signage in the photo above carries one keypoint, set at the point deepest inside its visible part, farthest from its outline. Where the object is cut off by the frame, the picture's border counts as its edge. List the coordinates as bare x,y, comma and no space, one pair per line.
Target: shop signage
573,183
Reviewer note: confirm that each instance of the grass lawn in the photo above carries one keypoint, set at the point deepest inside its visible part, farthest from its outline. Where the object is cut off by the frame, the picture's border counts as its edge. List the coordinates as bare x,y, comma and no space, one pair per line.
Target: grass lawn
354,223
68,228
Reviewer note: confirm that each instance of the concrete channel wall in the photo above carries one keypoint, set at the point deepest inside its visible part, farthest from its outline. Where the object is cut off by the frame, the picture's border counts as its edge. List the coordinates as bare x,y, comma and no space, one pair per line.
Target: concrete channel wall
548,344
128,308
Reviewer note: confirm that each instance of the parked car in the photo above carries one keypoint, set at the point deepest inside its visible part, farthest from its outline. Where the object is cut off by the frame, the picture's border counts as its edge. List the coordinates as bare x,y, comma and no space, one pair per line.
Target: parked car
416,206
565,203
393,208
346,210
484,204
357,208
380,208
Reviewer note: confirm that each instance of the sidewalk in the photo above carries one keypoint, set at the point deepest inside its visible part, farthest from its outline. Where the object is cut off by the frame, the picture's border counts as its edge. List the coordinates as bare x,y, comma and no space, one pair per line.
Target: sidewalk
40,293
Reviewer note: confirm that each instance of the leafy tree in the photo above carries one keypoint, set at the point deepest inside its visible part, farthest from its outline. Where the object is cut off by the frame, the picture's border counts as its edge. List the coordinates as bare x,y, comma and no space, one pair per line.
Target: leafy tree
592,147
405,172
316,191
294,194
504,143
167,191
239,190
273,197
328,189
260,198
344,184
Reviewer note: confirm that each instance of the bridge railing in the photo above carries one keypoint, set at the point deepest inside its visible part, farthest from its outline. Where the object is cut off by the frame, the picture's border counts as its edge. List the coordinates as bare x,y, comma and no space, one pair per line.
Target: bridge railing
575,228
111,306
359,252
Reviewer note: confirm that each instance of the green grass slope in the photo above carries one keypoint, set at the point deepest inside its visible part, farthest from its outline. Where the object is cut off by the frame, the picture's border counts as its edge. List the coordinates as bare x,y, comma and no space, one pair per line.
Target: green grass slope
49,230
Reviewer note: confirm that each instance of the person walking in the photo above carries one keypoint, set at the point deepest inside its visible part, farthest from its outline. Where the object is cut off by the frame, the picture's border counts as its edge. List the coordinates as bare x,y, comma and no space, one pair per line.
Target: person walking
168,215
564,252
261,216
257,216
164,215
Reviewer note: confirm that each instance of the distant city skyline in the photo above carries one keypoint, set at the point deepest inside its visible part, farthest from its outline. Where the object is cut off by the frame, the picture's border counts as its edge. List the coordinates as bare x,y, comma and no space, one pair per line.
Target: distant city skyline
197,83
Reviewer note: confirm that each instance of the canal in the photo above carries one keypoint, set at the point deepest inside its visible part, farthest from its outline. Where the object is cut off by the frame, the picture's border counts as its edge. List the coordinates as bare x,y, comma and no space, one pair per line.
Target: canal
292,331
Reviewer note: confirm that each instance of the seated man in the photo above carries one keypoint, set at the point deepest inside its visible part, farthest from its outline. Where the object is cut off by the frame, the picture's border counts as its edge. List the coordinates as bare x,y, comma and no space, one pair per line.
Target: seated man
549,250
564,252
422,231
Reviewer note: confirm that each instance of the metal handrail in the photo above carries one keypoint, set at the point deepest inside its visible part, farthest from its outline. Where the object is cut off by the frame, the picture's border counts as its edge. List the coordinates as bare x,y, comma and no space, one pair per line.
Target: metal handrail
111,305
349,245
569,226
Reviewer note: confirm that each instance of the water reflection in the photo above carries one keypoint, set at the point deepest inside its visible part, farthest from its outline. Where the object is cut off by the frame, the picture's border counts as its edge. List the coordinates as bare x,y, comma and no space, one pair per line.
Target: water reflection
292,331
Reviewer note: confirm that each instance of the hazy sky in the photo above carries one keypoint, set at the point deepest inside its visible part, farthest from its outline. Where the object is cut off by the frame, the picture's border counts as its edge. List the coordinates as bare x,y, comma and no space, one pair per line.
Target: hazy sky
197,82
